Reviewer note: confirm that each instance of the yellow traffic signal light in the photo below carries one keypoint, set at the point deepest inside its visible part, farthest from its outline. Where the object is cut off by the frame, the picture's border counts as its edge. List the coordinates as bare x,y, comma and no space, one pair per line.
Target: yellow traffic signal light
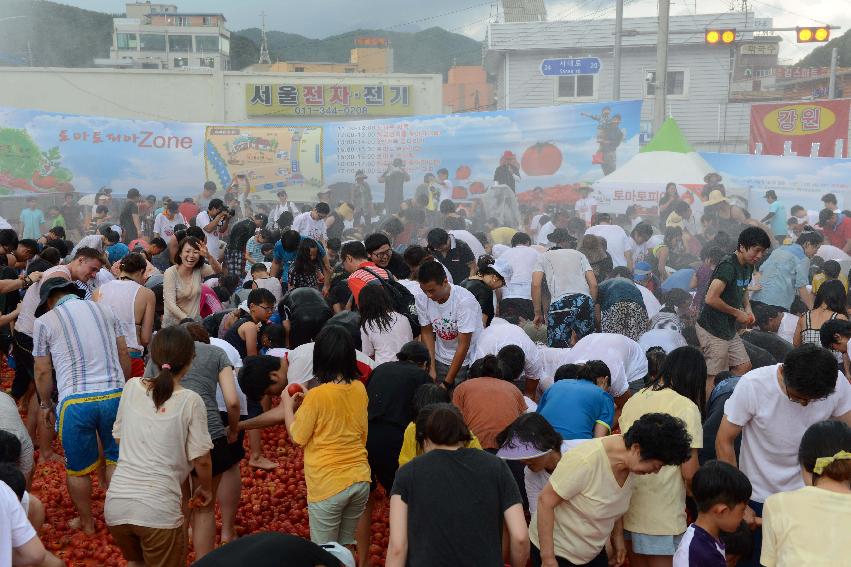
720,36
813,35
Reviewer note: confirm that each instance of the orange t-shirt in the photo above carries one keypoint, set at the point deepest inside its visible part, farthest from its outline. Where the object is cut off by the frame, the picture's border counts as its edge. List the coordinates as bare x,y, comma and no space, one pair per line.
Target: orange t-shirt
488,405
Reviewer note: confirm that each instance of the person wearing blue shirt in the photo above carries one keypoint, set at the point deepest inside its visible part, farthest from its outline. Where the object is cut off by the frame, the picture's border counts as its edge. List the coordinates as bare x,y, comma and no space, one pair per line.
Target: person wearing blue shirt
285,252
578,405
776,216
32,220
681,279
787,271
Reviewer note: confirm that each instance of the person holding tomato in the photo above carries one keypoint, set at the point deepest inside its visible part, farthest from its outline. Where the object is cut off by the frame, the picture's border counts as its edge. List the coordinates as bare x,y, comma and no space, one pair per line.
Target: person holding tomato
508,172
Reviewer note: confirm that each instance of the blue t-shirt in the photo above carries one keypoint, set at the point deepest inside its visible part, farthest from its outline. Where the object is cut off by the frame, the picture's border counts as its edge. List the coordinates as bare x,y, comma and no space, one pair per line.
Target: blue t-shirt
574,407
617,290
32,219
699,549
286,258
116,252
681,279
778,221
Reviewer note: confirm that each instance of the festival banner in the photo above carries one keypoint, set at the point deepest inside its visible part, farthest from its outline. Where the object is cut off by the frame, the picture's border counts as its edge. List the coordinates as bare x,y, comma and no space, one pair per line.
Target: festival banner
556,148
818,128
329,100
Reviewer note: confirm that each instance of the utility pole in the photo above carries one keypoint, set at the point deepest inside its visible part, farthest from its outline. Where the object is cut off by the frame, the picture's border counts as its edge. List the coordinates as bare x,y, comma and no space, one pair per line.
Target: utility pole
616,68
661,86
831,89
264,47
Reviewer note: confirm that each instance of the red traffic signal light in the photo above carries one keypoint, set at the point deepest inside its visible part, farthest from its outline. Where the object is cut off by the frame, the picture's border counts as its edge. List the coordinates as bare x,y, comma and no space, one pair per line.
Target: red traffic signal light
720,36
819,34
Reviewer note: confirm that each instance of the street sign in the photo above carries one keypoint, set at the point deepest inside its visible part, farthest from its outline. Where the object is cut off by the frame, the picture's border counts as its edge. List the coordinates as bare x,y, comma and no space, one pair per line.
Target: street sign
570,66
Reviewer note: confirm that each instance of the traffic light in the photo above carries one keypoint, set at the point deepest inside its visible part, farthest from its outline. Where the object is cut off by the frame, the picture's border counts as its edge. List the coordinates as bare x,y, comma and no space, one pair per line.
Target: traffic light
720,36
819,34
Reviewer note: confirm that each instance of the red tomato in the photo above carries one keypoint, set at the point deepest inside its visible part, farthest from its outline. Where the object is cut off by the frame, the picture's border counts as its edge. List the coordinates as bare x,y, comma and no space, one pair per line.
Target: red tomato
462,172
477,187
294,389
544,158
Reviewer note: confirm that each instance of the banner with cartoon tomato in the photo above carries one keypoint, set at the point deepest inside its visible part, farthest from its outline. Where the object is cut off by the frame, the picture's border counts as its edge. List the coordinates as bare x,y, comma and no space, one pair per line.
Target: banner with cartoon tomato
805,129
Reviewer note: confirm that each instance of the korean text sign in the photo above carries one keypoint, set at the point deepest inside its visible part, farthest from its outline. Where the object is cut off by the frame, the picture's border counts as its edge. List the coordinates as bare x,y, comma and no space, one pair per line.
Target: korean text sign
328,100
778,128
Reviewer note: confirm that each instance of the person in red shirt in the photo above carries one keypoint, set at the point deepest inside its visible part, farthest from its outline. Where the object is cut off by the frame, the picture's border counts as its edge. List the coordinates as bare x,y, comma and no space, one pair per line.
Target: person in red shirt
354,258
837,232
189,209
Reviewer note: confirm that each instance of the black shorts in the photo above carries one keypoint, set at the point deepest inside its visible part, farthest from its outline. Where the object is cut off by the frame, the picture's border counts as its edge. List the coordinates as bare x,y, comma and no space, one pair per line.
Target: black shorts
237,448
513,308
383,445
24,365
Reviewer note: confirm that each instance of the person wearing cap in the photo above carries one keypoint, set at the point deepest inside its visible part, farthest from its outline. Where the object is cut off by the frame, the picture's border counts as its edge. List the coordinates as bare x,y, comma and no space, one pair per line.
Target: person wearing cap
312,223
786,273
394,178
451,505
508,172
776,216
728,218
361,199
573,291
69,329
489,276
836,230
618,243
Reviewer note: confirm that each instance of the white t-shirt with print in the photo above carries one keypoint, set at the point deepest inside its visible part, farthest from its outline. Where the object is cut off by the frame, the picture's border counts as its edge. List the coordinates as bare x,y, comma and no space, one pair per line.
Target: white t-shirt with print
640,252
460,313
165,227
15,528
617,241
523,260
308,227
772,427
214,239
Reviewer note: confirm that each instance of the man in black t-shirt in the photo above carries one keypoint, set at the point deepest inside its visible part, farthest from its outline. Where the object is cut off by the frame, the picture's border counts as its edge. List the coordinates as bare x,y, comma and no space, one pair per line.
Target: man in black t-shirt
453,253
128,220
272,549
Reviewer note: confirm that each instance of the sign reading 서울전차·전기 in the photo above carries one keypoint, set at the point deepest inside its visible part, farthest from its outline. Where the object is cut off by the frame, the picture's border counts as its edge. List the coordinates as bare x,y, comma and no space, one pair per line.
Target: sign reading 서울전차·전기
328,100
571,66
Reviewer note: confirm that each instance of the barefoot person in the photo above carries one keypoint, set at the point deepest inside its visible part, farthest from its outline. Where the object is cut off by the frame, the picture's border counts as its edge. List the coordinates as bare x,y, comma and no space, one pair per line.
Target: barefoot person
68,330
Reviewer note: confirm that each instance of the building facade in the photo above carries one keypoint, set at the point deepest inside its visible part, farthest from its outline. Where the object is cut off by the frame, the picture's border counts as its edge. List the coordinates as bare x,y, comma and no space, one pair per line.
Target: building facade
369,55
698,81
467,90
158,36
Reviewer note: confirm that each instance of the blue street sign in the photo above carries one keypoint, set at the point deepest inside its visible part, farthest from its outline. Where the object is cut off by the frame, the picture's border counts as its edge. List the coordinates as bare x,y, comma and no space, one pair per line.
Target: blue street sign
571,66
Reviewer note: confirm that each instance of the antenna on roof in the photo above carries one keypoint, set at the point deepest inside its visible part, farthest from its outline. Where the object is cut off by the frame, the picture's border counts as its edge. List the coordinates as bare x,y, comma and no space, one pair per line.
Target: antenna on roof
264,46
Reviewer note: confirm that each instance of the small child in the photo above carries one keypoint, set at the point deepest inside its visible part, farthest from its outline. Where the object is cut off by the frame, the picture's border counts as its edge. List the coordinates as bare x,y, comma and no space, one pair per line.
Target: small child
262,279
273,340
711,255
830,270
55,218
722,492
254,247
738,545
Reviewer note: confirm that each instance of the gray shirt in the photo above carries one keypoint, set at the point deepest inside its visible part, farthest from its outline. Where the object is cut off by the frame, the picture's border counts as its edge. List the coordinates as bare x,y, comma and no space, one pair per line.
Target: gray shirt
202,378
10,420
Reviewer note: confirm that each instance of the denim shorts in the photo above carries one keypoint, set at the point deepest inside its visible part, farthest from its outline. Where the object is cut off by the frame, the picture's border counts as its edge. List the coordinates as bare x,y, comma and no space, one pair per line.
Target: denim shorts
645,544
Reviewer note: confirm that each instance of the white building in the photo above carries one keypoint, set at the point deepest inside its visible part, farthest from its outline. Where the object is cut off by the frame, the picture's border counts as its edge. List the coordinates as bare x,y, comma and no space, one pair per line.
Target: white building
158,36
698,74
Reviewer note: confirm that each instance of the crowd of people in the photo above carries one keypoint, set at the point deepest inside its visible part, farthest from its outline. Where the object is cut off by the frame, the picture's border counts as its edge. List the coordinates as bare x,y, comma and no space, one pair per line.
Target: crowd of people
581,389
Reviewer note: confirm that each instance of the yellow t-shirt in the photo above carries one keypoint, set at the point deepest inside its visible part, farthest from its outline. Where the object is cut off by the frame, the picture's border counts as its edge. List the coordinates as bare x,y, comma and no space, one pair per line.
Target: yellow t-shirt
820,278
593,502
809,526
658,505
503,235
331,425
409,444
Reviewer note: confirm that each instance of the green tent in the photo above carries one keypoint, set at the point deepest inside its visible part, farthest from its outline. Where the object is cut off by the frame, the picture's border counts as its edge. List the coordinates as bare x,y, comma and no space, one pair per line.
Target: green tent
669,138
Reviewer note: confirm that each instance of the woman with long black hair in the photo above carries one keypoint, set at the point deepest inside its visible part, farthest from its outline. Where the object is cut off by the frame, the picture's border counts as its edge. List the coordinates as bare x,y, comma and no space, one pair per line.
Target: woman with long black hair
830,304
383,331
656,518
306,269
240,233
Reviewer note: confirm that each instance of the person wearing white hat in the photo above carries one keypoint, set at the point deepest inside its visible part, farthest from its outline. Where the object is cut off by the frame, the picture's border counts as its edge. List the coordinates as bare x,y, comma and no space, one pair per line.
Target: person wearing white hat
489,276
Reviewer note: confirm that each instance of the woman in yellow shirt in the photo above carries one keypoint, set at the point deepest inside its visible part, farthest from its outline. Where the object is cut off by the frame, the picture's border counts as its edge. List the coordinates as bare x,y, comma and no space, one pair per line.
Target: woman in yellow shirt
810,526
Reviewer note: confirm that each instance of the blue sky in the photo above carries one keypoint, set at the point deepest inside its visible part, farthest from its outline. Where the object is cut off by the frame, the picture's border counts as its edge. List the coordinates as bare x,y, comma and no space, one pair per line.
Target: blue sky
470,17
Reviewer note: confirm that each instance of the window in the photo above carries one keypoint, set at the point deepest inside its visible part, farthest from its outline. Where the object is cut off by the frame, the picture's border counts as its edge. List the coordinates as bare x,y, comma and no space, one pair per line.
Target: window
576,86
225,44
299,69
181,62
207,43
209,20
180,43
181,21
152,42
208,62
127,40
677,83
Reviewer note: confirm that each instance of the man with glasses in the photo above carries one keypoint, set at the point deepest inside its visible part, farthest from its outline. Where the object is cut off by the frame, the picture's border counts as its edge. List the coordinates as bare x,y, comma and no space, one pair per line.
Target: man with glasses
379,251
771,408
244,335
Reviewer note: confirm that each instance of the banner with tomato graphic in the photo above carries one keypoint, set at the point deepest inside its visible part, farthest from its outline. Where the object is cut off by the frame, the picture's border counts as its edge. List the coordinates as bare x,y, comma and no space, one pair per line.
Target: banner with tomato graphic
818,128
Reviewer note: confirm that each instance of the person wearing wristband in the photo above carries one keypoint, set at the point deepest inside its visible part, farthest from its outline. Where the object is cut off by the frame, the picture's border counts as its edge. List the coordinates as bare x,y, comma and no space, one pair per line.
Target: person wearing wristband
451,320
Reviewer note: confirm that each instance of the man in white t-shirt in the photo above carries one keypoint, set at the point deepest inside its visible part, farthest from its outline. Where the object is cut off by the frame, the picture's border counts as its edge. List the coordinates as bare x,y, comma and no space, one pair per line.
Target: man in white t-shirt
517,294
625,358
451,321
501,333
829,252
214,222
282,206
771,408
312,223
618,243
558,220
19,544
586,206
166,221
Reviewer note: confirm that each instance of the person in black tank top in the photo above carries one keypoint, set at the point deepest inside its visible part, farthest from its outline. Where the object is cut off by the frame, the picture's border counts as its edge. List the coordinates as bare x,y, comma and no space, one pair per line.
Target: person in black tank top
244,335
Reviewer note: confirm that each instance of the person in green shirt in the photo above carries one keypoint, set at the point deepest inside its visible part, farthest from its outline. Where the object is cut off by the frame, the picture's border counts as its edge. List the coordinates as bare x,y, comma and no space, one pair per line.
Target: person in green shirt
55,218
727,303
